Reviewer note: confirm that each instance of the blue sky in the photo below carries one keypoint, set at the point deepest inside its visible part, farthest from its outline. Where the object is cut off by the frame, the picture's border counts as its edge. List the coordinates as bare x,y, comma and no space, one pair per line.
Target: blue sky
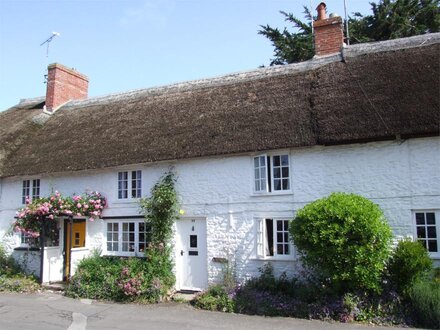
131,44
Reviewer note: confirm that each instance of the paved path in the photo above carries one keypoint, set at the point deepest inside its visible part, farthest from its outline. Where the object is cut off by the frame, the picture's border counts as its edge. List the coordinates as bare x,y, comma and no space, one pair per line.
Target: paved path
53,311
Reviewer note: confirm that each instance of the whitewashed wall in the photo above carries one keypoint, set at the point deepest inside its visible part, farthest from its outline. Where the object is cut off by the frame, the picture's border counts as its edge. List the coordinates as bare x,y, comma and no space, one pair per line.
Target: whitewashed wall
400,176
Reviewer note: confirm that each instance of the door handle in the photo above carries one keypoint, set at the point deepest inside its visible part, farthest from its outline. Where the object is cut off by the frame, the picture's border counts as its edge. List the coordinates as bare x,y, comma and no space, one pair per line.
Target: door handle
181,252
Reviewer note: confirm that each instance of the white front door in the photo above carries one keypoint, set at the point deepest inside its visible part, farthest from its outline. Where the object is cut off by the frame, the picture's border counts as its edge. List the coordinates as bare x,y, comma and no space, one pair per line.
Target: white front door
191,256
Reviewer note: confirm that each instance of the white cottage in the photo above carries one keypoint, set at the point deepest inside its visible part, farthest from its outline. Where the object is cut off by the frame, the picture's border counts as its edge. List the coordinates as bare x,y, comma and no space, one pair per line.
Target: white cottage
248,149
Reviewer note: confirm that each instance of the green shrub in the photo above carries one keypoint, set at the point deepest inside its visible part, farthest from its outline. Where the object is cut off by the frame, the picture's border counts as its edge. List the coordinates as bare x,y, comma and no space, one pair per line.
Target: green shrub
18,283
425,300
122,279
215,299
409,263
8,266
345,240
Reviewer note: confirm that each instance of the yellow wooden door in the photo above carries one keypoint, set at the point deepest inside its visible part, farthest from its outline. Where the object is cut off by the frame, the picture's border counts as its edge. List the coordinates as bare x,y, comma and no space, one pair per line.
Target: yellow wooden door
75,237
79,234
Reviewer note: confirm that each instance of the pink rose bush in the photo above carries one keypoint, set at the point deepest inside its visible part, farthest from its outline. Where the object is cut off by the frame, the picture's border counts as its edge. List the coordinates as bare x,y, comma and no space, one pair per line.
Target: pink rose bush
29,218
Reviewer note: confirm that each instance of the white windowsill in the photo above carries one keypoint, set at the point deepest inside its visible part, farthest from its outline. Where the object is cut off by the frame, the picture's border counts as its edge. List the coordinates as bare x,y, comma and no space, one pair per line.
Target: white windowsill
288,259
126,201
273,193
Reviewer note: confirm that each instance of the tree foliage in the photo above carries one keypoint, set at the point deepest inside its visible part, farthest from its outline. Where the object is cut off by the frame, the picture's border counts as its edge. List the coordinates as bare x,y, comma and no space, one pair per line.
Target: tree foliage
389,19
344,240
290,47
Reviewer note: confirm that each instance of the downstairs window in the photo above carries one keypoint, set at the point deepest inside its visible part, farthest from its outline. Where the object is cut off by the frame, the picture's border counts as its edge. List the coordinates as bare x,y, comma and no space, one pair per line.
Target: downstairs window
428,230
273,239
127,237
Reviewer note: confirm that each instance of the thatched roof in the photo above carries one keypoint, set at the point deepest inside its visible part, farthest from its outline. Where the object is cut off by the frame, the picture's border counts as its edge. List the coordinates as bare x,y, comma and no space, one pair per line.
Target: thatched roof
376,91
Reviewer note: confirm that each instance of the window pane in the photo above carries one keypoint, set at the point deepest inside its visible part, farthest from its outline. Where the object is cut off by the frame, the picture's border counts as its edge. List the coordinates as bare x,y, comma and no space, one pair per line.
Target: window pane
286,249
279,237
109,227
432,232
284,160
257,185
115,237
286,237
256,162
125,247
125,226
263,185
285,172
109,246
432,246
286,184
277,173
262,162
277,184
257,173
279,225
420,218
421,233
109,237
276,161
430,218
280,249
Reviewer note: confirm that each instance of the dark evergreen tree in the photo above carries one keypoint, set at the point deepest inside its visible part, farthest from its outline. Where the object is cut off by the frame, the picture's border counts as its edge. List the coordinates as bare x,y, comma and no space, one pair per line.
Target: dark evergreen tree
390,19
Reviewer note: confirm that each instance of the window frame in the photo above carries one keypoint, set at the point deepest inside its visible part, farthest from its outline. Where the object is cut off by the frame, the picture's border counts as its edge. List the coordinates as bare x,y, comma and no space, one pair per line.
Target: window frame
270,178
434,255
132,190
30,188
121,240
260,241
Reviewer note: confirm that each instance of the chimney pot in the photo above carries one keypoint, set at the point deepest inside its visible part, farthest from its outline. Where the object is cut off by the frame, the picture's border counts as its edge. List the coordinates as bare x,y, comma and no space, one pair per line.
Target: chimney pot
321,11
64,85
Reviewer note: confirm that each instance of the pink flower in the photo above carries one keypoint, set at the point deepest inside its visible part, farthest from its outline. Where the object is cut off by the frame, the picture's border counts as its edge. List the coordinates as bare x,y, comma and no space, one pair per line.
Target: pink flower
86,206
78,205
97,206
91,219
50,216
78,214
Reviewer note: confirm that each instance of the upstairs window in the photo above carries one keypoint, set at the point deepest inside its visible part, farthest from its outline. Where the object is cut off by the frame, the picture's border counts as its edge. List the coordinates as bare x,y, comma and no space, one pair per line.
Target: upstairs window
271,173
273,239
129,184
428,229
31,189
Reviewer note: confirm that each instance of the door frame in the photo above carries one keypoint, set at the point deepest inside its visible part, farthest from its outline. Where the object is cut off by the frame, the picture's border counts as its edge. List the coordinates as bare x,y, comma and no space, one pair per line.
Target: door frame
179,270
67,245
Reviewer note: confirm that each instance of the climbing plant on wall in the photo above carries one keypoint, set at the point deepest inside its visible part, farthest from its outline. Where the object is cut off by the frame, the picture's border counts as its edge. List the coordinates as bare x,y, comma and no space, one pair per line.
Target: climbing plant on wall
161,209
46,210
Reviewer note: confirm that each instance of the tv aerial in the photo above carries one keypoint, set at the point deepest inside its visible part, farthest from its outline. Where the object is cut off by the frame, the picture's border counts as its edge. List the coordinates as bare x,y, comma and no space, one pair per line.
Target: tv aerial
48,40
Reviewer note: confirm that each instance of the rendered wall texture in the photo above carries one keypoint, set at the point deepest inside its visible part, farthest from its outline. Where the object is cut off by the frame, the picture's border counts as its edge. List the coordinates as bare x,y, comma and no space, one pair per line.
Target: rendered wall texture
400,176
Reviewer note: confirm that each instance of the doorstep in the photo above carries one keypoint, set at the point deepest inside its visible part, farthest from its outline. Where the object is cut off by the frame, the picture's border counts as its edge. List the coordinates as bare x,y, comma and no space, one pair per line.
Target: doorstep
56,286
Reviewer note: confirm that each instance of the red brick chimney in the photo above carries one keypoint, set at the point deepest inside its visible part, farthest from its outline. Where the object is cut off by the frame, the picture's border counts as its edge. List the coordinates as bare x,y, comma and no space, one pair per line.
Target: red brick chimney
64,85
329,35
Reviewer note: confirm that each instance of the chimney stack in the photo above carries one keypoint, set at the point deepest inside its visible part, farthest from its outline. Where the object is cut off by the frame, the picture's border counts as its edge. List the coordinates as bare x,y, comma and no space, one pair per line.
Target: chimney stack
64,85
329,35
